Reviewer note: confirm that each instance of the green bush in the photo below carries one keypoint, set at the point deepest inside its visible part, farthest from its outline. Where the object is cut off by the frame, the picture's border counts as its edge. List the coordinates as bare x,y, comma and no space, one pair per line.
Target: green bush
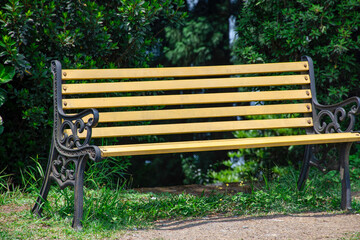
6,75
327,31
281,31
81,34
247,172
204,38
195,43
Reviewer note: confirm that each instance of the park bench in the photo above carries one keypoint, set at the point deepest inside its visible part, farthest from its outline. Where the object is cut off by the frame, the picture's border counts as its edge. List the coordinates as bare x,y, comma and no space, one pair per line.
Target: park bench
206,103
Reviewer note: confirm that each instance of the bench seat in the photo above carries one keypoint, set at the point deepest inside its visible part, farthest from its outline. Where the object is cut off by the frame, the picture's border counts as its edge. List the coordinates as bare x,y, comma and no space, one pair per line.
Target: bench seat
225,144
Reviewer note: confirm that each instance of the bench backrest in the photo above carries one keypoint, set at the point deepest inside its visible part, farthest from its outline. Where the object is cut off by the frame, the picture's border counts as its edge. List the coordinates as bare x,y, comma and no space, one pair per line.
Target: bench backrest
159,101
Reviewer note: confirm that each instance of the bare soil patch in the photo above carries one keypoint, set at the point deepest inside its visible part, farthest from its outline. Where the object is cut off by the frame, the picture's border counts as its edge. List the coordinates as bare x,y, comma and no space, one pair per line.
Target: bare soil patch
10,208
198,190
293,226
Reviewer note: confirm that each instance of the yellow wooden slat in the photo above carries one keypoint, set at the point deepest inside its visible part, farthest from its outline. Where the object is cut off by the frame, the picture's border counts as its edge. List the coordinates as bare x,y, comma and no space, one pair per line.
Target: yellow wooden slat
179,128
71,74
108,87
110,102
226,144
204,112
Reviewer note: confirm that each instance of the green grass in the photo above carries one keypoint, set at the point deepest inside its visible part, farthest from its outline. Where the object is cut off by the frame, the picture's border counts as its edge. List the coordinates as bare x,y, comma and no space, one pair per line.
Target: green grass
352,236
108,213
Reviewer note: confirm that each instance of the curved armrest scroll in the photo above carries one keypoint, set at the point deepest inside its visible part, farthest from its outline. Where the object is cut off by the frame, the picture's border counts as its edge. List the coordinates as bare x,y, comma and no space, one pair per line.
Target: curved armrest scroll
70,128
76,124
339,117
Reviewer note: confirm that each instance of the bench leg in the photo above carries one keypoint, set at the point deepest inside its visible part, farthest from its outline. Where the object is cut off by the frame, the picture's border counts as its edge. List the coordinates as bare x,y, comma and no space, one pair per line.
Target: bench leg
79,193
344,151
37,209
308,155
59,170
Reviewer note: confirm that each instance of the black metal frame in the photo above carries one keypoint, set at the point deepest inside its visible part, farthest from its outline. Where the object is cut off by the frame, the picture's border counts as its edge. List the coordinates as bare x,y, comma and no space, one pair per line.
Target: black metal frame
68,150
337,114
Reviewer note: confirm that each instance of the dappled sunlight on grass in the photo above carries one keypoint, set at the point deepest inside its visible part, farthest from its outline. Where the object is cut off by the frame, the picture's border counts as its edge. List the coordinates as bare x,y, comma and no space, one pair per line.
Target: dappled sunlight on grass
108,213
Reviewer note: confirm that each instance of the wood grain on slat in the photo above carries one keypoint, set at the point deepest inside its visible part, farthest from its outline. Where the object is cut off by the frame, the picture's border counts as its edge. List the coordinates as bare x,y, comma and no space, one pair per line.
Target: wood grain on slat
69,74
179,128
110,102
226,144
204,112
108,87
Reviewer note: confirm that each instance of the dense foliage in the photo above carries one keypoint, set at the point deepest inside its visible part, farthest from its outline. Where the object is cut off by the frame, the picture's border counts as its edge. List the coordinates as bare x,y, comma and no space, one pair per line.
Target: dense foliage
81,34
281,31
204,38
6,75
328,31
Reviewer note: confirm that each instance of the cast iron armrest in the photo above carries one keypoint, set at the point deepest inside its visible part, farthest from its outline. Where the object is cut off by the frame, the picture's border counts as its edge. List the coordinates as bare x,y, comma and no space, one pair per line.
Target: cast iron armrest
71,126
329,118
77,125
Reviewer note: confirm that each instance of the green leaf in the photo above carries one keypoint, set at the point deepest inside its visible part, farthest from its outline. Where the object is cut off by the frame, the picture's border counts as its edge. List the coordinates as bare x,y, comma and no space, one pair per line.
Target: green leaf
1,125
2,96
6,73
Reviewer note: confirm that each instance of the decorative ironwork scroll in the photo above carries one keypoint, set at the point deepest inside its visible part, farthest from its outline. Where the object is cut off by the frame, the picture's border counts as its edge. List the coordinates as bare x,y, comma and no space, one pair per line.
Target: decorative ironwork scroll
334,118
63,170
70,144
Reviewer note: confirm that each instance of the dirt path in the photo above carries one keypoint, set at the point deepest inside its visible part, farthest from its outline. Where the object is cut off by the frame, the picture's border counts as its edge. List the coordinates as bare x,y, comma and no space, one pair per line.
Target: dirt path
295,226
